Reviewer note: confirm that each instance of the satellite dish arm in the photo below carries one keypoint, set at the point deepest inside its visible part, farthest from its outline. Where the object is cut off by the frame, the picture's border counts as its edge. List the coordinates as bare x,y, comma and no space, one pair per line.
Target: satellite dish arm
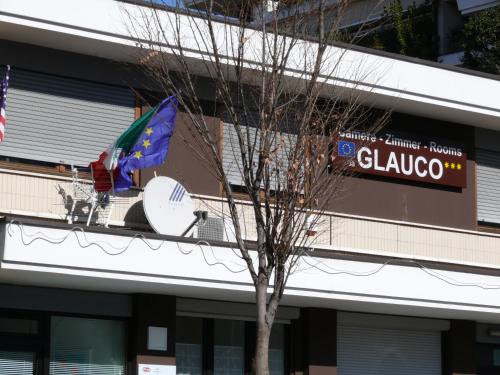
200,215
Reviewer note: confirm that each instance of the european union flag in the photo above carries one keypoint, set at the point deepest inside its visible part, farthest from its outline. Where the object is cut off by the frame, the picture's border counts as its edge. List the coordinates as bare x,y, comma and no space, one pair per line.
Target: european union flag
346,149
151,147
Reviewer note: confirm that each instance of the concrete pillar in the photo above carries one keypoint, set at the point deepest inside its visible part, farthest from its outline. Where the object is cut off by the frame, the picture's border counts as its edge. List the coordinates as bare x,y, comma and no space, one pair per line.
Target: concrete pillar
314,342
459,348
151,310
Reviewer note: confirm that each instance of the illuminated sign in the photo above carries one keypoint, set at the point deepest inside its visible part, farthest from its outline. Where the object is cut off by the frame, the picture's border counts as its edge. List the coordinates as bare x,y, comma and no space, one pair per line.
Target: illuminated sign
396,156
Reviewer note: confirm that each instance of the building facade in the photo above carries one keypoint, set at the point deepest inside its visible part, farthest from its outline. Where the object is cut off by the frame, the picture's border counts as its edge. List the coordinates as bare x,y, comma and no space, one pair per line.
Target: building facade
432,30
403,277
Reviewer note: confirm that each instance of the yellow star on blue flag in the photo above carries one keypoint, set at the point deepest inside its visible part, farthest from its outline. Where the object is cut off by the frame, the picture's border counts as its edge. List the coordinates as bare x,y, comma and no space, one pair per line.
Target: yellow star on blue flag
152,145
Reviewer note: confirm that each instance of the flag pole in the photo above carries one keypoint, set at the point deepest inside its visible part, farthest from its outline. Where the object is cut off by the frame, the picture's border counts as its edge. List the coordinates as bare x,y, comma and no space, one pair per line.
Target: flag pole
4,85
112,182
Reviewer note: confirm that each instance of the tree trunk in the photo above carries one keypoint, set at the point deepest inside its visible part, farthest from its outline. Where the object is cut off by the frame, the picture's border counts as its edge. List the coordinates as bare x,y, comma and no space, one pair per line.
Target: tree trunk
261,360
262,349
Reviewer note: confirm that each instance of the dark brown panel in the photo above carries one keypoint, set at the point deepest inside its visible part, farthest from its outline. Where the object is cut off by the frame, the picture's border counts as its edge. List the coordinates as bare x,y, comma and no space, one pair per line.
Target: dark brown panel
315,336
395,199
208,347
297,361
250,341
165,361
187,160
153,310
459,348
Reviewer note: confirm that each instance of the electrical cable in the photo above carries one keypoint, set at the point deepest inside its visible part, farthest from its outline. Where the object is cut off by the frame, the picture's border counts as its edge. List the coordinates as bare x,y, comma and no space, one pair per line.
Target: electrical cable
118,250
331,271
430,272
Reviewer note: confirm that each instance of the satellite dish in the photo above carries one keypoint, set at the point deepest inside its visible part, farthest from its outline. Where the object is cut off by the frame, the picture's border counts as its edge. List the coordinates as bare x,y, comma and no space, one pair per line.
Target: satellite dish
168,206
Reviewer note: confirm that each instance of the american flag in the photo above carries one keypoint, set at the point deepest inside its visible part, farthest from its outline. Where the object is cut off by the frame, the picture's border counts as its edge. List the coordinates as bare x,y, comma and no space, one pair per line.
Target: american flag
3,99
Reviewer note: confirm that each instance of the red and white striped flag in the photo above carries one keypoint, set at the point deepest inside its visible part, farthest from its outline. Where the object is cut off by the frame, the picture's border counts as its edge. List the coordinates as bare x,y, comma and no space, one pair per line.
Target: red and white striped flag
3,100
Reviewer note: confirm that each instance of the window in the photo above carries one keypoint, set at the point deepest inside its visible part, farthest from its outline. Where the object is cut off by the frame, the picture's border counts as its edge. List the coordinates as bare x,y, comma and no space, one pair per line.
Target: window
62,120
488,358
487,144
188,346
229,347
277,350
17,362
87,346
496,357
21,343
223,346
231,157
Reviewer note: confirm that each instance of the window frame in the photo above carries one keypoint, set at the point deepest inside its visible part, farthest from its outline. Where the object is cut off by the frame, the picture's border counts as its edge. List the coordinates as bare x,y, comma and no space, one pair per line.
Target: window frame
249,329
40,342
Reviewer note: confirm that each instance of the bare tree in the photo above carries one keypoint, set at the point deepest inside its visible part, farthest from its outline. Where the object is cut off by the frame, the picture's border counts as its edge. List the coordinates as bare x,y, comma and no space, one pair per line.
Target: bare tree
286,94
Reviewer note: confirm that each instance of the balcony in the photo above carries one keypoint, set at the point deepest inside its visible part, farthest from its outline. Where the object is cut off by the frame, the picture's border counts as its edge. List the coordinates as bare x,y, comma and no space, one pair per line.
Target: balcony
37,195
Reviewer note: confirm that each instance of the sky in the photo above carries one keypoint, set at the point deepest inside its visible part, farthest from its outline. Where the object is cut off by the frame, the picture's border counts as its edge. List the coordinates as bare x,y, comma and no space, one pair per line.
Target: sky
169,2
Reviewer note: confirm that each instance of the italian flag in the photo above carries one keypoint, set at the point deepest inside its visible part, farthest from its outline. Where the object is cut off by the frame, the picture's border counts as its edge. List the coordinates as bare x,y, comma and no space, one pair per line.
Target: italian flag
106,165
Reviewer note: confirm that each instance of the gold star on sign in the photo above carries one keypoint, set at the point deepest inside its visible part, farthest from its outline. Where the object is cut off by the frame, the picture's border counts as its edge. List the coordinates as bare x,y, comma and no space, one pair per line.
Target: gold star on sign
149,131
146,144
452,165
459,166
446,165
138,154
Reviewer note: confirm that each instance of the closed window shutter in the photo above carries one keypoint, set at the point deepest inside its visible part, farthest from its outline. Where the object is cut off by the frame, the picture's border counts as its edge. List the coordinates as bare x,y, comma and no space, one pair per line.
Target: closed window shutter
231,155
16,363
488,185
63,120
376,351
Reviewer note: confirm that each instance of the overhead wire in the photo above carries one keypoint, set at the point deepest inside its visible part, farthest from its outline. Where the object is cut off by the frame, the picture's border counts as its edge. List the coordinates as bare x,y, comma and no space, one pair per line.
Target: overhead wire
39,236
199,244
447,279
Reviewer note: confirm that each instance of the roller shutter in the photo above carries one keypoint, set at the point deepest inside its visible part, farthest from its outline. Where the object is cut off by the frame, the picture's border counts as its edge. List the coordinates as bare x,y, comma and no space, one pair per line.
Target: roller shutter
62,120
388,351
488,186
487,144
231,156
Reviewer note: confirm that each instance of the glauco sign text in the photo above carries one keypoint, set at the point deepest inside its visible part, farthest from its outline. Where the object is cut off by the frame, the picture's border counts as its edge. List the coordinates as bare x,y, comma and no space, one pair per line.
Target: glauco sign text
391,155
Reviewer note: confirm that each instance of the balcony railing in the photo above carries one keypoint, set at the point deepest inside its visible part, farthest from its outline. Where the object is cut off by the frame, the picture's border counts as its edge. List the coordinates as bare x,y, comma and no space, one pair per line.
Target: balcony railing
39,195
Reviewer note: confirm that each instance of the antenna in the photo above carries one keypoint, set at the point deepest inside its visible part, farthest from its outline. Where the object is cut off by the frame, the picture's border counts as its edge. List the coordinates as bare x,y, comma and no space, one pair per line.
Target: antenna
168,206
